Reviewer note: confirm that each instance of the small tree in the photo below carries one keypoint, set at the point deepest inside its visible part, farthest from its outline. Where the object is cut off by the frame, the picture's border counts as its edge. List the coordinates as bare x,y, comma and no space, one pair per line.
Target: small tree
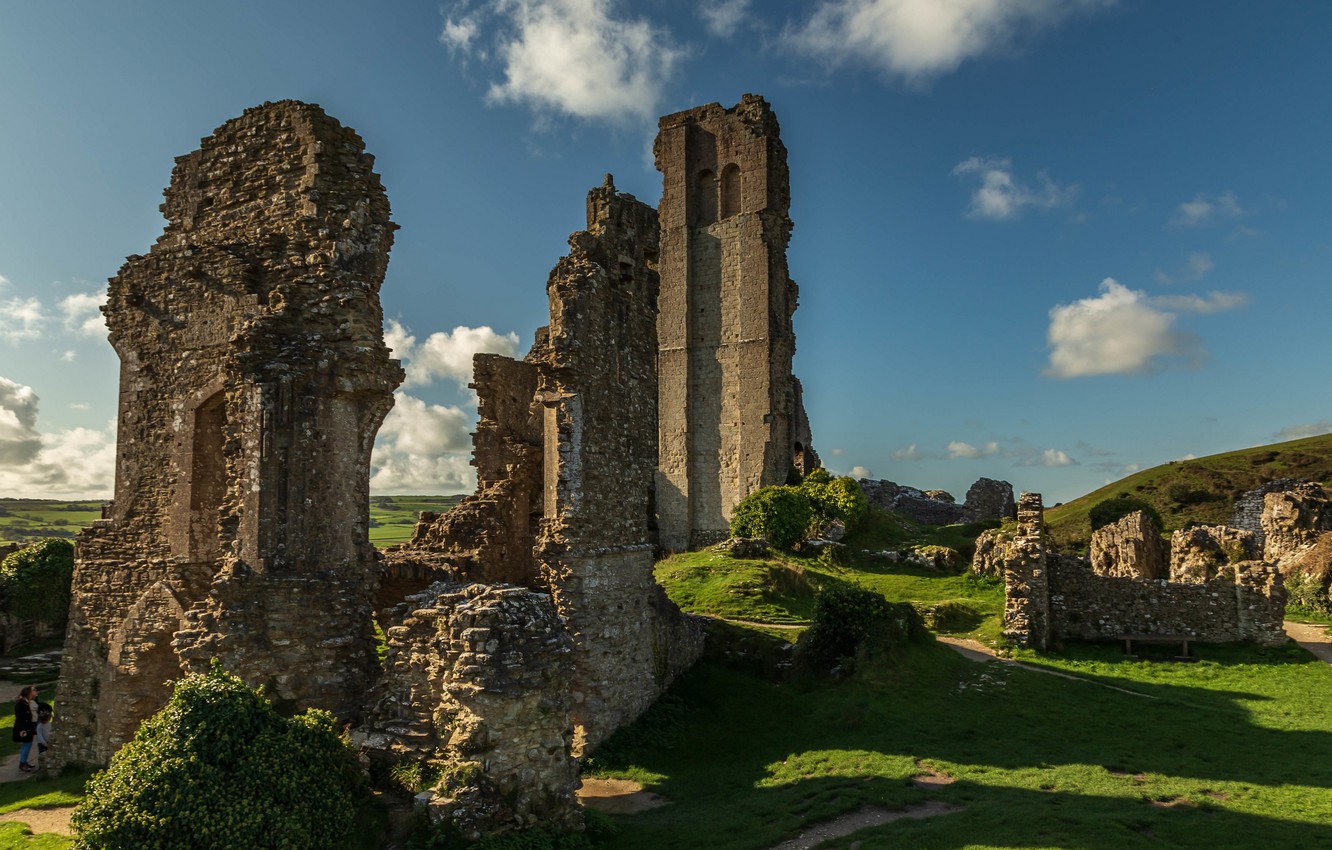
218,767
35,581
779,514
835,498
1113,510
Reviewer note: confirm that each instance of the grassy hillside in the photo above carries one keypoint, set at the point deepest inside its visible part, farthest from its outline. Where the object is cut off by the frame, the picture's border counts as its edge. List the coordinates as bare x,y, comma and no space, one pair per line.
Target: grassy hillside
30,520
1202,490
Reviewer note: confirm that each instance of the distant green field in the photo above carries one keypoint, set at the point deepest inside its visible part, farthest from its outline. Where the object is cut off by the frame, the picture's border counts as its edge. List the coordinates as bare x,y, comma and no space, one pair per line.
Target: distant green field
392,517
30,520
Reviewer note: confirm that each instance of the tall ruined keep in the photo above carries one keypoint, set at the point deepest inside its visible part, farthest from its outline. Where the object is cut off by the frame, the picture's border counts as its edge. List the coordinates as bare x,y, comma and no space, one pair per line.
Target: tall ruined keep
729,409
253,379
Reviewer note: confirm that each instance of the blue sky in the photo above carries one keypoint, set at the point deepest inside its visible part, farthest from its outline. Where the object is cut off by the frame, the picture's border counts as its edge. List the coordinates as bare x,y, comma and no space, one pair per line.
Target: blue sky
1048,242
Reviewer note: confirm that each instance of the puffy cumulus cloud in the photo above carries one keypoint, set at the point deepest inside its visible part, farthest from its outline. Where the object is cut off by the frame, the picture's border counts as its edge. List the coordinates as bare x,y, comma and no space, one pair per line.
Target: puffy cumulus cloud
422,448
445,355
1298,432
1049,458
72,463
1002,197
723,17
958,449
82,313
1123,331
584,58
916,40
1207,209
860,472
20,319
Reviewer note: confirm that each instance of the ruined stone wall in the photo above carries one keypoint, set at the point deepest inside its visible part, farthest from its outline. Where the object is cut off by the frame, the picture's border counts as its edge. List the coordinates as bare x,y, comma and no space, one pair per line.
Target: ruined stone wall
477,692
1246,602
1200,553
727,401
253,380
1026,577
1248,512
1050,596
598,388
489,536
1131,546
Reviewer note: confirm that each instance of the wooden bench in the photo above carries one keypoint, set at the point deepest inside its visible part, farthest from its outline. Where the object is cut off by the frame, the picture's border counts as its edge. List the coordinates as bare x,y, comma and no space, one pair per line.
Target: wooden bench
1182,640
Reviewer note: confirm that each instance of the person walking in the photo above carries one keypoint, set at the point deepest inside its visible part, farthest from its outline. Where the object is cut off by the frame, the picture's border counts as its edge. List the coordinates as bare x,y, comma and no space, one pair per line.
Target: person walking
25,725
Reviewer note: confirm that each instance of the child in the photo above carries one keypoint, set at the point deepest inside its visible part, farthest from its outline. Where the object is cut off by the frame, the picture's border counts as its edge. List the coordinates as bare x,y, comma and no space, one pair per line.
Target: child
43,735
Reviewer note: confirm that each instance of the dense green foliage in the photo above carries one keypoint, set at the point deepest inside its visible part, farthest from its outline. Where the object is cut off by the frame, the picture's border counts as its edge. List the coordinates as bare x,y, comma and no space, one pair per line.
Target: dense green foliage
780,514
1113,510
846,618
34,581
1197,491
219,768
834,498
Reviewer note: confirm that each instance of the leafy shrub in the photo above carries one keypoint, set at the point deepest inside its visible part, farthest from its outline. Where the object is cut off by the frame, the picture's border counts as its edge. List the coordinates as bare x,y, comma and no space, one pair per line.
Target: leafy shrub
834,498
35,581
779,514
847,618
1183,494
218,767
1113,510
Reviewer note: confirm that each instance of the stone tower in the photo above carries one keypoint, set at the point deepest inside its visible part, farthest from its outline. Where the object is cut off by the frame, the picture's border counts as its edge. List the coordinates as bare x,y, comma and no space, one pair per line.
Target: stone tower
253,379
727,401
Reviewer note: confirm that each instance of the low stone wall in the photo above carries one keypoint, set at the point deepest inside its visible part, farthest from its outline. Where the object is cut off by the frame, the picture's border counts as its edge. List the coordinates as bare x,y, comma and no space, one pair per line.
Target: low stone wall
1246,602
477,690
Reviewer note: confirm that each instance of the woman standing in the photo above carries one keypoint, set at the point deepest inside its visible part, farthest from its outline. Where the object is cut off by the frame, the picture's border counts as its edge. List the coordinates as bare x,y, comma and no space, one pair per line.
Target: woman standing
25,724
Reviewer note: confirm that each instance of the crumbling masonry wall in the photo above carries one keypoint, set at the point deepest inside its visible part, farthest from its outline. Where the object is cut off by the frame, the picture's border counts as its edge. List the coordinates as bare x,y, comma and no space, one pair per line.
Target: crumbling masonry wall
1224,601
253,380
728,413
598,390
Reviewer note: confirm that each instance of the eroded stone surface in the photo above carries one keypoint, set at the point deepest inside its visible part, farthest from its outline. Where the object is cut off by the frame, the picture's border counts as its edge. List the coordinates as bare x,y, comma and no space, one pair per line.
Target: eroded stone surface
989,499
1026,582
1201,553
1294,518
253,379
729,417
1132,546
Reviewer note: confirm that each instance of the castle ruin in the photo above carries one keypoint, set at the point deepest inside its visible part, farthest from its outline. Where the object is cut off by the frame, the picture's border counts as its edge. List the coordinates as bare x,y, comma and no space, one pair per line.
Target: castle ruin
730,410
253,379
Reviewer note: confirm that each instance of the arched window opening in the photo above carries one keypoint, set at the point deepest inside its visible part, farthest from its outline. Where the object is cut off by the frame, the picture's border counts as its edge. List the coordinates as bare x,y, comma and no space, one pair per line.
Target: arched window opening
730,191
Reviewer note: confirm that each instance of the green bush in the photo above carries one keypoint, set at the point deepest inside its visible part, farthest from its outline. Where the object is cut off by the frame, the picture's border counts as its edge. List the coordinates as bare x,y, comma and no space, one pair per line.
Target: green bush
780,514
834,498
219,768
35,581
848,618
1113,510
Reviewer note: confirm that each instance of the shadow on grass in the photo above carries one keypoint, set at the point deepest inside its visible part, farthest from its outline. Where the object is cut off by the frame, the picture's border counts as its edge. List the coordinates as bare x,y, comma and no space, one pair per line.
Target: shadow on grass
1039,761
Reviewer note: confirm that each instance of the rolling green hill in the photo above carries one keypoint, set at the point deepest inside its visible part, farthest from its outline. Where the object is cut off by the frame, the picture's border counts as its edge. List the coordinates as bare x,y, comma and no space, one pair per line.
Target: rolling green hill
1202,490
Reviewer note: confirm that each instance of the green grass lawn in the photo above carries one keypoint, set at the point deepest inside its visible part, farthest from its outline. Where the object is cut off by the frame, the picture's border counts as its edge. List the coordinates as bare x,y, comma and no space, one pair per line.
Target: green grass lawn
1234,751
393,517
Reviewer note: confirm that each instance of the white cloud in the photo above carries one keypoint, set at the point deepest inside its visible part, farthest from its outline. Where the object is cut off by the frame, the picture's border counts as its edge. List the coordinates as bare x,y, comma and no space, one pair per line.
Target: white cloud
1200,264
445,355
1206,209
82,313
1001,196
21,318
1048,458
860,472
1123,331
423,448
837,452
73,463
910,452
574,57
722,17
916,40
1297,432
958,449
458,35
